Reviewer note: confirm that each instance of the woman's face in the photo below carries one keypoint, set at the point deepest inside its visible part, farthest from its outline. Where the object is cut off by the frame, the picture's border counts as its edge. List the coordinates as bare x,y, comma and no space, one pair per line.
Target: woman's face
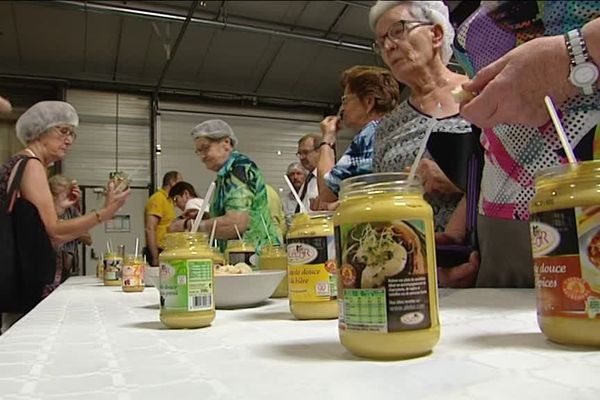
213,153
355,110
413,44
57,141
181,200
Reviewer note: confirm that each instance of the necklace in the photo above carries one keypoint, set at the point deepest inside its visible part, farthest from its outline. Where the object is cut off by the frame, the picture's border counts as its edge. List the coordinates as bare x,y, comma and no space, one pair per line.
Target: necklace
27,149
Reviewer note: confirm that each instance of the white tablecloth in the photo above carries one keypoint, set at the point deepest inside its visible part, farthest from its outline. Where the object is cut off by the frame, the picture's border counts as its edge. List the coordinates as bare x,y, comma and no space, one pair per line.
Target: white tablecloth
87,341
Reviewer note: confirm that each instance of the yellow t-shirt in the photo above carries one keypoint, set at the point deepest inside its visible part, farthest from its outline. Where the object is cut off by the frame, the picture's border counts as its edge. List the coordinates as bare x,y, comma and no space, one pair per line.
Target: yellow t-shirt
161,207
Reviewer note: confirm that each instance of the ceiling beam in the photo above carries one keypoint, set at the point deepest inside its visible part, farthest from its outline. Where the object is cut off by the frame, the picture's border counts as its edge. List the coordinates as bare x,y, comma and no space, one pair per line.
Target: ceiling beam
176,45
210,23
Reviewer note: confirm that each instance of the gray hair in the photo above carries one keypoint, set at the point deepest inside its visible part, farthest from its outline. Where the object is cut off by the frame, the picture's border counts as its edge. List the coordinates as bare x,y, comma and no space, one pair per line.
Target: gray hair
435,12
58,183
296,165
42,116
214,129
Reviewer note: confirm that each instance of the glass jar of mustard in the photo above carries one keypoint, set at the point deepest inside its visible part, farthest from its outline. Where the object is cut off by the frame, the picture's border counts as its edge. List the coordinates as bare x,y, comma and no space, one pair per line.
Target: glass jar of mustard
186,281
133,274
312,284
565,240
275,258
113,266
240,251
386,268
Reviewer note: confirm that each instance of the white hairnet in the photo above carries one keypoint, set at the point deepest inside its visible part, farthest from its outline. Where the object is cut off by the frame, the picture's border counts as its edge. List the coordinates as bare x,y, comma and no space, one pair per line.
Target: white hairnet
433,11
214,129
42,116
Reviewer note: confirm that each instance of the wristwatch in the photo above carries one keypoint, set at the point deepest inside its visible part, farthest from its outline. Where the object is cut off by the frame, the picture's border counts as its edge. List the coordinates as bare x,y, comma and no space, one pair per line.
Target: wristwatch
584,73
325,143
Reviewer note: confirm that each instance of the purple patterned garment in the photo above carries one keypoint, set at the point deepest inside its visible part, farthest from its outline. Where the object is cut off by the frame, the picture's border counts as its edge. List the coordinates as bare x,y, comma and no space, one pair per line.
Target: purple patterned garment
513,153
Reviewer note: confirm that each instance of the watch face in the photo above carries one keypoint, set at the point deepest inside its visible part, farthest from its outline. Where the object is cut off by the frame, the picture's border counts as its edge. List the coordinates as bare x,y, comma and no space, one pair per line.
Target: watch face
584,74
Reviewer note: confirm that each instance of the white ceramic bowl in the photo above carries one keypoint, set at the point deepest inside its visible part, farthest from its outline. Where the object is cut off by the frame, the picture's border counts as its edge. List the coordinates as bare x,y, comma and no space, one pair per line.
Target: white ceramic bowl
245,290
151,276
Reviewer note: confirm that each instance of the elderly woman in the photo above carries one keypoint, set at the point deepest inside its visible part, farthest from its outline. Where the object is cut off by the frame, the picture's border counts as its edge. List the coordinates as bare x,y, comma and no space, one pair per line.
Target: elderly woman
63,192
414,39
240,197
47,130
369,94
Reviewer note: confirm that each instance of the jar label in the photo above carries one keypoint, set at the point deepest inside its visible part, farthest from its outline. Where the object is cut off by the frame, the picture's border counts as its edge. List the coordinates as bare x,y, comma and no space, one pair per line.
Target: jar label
112,269
311,269
383,276
248,257
566,261
133,275
186,285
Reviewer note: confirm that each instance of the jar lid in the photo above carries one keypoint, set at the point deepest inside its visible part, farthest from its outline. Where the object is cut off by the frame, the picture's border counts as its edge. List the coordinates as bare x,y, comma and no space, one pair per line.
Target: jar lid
380,183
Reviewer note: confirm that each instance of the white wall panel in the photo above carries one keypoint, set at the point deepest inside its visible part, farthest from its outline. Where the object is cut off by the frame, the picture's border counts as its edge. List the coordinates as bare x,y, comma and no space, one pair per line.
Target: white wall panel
94,154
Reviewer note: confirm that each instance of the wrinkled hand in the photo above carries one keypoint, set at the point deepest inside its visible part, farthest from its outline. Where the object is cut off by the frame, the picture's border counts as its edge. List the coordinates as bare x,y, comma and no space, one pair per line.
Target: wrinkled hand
114,200
511,90
433,178
461,276
330,127
318,205
5,106
191,213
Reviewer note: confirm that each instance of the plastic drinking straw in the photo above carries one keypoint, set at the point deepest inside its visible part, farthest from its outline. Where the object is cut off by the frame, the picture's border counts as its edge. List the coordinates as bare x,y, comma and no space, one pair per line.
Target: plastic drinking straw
137,245
432,123
108,247
209,193
266,229
300,204
212,233
237,232
560,130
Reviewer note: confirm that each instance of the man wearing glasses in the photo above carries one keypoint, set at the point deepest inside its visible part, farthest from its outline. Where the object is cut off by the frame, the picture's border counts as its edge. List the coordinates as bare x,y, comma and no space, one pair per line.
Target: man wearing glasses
308,153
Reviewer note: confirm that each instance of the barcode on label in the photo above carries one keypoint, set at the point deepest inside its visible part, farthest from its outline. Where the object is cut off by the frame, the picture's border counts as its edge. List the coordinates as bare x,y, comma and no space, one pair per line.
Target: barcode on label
202,302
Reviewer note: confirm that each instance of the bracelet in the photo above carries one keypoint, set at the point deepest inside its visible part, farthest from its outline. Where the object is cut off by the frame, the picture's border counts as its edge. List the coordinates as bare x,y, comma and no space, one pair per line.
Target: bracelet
332,145
98,216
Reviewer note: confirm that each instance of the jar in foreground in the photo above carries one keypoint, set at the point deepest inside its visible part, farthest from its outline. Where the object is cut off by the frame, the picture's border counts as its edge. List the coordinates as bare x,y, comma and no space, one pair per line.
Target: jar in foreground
565,240
239,251
386,268
312,284
133,274
186,281
275,258
113,266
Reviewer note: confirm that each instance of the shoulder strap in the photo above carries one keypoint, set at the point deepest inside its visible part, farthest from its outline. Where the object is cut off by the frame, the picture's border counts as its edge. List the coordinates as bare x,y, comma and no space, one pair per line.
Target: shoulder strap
16,182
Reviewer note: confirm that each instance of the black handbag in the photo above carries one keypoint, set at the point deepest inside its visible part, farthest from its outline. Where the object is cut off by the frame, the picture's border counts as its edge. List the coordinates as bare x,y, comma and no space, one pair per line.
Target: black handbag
27,258
460,157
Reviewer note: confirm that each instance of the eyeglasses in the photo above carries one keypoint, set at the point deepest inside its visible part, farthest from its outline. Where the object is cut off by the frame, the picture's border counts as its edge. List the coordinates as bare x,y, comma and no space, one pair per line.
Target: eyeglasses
202,150
304,153
344,98
66,132
396,32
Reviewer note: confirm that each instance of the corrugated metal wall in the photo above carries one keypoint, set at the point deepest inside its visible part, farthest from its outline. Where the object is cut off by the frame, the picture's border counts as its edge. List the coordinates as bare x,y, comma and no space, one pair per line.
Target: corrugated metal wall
97,150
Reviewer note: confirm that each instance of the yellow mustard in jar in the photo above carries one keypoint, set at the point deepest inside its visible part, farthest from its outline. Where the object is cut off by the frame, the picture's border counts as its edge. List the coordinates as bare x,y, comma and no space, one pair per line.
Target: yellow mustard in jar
312,284
565,240
113,266
133,274
240,251
387,286
217,256
186,281
275,258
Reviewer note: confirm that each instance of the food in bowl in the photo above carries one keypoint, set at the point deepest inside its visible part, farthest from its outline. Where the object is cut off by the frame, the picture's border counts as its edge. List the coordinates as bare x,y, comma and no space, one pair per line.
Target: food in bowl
228,269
